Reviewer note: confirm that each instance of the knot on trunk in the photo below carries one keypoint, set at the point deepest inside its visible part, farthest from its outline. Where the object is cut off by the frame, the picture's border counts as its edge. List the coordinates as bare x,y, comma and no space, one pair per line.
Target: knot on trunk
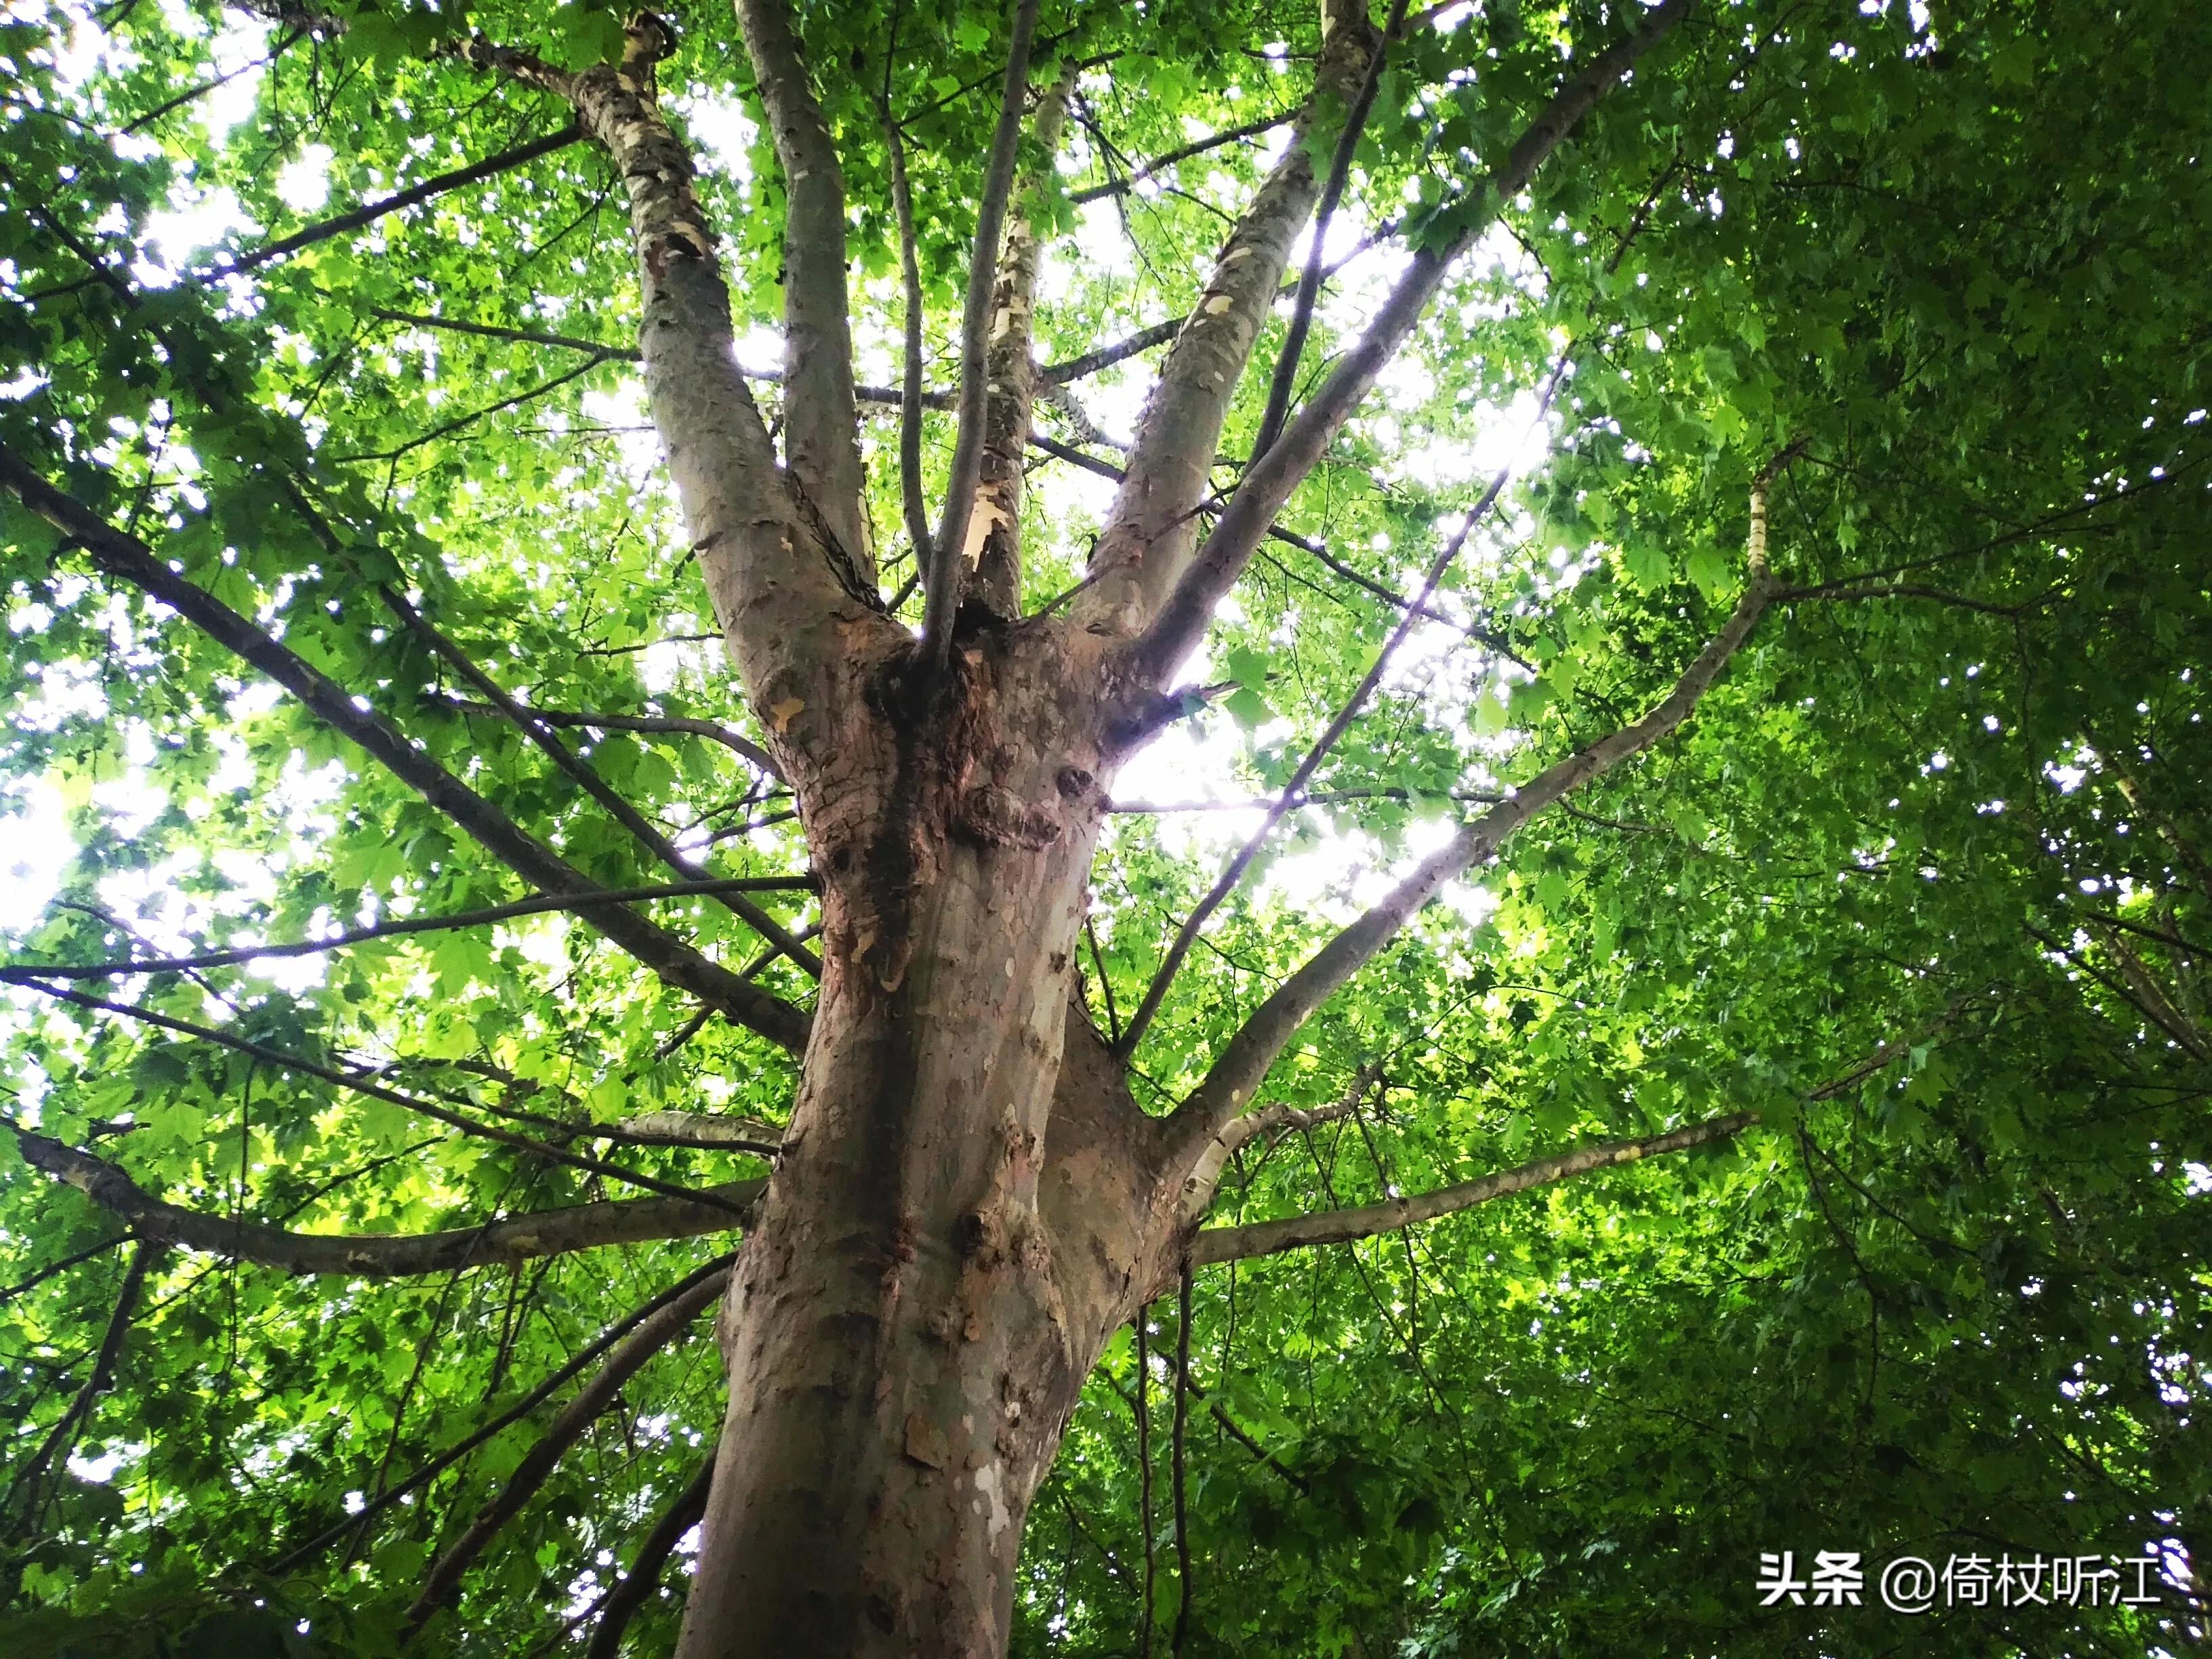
998,817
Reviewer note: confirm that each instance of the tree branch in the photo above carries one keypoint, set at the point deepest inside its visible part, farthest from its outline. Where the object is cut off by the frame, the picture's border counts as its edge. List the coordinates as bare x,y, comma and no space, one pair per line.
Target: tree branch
652,1334
728,737
540,733
1204,1176
994,534
708,1271
1226,884
1339,171
705,1129
371,1256
942,582
34,1471
1245,1060
1217,1244
506,162
1187,596
23,972
129,560
821,429
914,505
622,1600
1161,163
365,1085
1150,529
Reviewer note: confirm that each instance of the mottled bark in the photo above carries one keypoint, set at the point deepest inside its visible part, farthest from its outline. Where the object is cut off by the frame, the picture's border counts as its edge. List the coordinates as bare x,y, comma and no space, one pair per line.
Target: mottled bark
993,541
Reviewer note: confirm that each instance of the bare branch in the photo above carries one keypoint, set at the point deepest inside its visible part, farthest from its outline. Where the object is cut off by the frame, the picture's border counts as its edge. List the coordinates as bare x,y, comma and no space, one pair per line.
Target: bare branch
1160,164
821,431
1216,1244
943,581
1244,1061
129,560
1269,482
517,1238
674,1128
623,1362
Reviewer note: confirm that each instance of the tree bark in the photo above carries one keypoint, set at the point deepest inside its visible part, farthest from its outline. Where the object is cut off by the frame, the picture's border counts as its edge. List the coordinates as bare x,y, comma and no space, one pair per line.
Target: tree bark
927,1282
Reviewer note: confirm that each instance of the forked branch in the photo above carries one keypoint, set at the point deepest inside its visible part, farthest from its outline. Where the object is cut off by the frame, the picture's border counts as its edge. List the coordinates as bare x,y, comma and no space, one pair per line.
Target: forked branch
821,422
1187,597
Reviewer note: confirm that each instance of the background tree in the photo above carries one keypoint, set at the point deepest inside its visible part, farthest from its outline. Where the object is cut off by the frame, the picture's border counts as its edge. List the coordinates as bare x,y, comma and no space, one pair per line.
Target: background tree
1126,697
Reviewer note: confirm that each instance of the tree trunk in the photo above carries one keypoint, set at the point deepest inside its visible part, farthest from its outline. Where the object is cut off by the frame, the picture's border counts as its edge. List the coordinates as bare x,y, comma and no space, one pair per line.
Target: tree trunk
927,1283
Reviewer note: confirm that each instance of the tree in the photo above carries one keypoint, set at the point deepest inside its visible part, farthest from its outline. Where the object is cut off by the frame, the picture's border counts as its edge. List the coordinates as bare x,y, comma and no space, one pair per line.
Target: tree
570,827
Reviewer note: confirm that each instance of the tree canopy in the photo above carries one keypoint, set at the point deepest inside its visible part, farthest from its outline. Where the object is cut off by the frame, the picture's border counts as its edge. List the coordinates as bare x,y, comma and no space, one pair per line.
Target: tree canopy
411,928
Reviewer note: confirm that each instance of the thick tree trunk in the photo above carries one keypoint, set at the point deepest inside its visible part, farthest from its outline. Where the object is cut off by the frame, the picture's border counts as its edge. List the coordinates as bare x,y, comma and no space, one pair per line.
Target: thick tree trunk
926,1287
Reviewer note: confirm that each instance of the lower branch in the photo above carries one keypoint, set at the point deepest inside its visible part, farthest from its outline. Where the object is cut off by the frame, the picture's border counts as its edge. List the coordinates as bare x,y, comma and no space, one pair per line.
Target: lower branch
20,972
622,1601
518,1238
64,1433
623,1362
712,1271
1215,1244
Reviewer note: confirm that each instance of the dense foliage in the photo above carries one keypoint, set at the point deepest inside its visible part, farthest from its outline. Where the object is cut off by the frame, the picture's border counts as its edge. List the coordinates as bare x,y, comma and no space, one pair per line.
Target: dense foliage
1923,885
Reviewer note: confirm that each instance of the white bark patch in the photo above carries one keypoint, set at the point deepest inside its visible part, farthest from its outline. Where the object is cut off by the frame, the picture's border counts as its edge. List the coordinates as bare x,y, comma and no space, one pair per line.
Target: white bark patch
988,1483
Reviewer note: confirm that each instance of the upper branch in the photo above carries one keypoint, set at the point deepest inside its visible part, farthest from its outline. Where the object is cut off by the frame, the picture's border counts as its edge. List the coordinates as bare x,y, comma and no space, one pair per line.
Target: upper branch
1340,170
1293,789
1238,1071
1175,626
948,565
129,560
783,554
995,528
822,427
912,502
1150,529
518,1238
